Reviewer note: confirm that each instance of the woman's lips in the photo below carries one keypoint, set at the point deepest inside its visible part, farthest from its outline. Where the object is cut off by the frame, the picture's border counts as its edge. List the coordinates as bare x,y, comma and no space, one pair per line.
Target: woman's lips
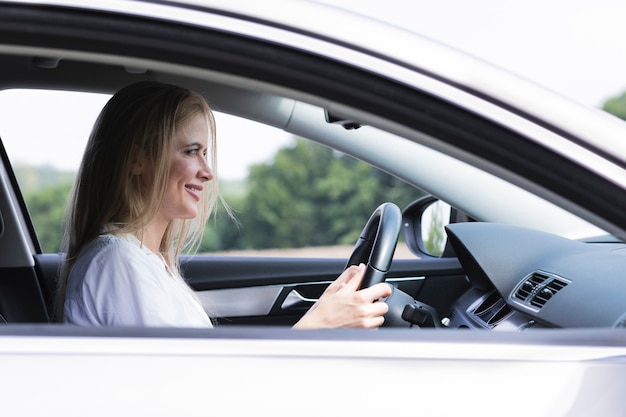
194,190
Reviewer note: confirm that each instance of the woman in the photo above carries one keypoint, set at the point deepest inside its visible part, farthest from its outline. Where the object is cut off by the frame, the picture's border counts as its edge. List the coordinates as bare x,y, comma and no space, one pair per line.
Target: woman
144,191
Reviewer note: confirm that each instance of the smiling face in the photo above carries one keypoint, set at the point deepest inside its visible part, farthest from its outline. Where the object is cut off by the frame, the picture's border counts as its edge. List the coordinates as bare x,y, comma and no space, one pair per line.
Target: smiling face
189,171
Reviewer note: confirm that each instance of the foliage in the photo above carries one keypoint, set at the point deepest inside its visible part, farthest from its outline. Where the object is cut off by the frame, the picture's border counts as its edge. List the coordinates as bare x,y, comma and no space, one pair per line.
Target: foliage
222,231
616,106
311,196
47,208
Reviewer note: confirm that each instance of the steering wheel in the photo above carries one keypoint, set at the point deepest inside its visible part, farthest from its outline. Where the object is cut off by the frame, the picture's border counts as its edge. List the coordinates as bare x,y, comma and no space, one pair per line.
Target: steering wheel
377,243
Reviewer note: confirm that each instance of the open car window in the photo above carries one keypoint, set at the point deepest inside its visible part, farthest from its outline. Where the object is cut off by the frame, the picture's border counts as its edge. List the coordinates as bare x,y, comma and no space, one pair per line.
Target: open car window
288,196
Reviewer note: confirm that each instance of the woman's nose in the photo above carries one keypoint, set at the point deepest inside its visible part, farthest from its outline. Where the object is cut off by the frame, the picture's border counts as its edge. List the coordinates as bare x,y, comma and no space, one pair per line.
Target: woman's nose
206,173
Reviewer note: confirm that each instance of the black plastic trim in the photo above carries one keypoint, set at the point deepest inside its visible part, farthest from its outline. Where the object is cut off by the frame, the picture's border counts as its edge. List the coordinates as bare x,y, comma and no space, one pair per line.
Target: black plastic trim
219,272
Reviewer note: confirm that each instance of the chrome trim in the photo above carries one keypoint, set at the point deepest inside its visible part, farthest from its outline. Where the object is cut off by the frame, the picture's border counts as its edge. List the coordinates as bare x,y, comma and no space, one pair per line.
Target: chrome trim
295,300
239,302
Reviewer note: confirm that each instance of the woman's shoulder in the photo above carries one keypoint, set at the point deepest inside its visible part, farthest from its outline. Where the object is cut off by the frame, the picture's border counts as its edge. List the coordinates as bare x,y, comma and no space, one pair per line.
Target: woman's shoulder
109,251
108,244
115,260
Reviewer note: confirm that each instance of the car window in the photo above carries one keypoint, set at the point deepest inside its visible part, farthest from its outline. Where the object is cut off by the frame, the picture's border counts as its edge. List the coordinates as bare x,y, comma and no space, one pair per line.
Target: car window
288,196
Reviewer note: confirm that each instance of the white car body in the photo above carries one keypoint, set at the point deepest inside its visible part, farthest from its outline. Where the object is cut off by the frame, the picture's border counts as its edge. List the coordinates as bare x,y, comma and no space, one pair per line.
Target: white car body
308,374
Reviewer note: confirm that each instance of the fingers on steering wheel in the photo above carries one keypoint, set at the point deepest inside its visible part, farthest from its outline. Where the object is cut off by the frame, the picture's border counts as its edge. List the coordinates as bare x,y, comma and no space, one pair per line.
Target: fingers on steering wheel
343,280
376,313
352,276
377,291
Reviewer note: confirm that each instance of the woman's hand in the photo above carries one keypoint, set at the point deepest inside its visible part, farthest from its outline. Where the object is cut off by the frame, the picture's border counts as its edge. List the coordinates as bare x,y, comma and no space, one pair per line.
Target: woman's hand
344,305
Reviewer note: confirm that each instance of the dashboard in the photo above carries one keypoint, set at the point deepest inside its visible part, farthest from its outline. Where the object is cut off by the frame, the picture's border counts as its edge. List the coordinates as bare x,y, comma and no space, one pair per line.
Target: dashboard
527,279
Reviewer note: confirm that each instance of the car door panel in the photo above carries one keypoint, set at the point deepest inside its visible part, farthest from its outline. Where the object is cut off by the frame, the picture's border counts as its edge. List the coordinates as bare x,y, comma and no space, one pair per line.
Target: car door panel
257,290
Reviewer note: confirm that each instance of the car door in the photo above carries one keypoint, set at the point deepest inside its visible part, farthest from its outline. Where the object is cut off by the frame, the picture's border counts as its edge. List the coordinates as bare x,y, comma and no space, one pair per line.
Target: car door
273,291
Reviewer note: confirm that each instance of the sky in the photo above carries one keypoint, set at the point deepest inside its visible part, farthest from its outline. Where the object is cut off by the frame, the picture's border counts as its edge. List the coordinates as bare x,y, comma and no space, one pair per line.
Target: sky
575,48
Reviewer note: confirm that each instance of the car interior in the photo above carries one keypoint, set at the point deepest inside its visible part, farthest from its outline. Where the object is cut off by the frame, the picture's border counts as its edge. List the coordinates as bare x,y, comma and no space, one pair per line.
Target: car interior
492,275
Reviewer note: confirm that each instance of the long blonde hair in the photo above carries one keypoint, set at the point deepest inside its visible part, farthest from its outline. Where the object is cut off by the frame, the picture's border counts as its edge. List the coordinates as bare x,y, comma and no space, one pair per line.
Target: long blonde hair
141,116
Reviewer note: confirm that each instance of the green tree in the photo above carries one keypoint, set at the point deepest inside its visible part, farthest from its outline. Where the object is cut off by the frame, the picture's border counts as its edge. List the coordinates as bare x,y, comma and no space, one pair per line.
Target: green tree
47,208
311,195
280,207
616,106
222,232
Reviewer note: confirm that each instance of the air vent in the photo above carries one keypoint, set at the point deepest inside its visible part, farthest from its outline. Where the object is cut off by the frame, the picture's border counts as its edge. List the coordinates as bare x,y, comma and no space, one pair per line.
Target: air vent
537,289
488,304
551,288
530,285
500,315
491,310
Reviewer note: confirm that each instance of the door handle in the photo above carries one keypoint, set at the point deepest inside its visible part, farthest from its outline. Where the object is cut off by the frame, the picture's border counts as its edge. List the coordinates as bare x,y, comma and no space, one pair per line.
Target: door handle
295,300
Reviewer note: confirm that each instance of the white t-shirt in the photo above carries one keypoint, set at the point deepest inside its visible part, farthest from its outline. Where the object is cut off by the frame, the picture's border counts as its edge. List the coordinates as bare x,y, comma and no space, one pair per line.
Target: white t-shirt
117,282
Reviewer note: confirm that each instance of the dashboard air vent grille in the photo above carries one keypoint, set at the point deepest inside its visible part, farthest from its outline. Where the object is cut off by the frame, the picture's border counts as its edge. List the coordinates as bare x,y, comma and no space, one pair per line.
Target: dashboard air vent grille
537,288
545,293
490,310
530,285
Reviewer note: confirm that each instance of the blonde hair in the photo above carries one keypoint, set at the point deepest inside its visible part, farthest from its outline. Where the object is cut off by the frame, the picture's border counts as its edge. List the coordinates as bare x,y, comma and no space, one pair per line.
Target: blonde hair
142,116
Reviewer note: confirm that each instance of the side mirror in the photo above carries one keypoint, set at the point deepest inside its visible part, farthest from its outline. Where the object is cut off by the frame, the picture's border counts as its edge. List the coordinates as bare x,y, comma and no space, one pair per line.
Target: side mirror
423,225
